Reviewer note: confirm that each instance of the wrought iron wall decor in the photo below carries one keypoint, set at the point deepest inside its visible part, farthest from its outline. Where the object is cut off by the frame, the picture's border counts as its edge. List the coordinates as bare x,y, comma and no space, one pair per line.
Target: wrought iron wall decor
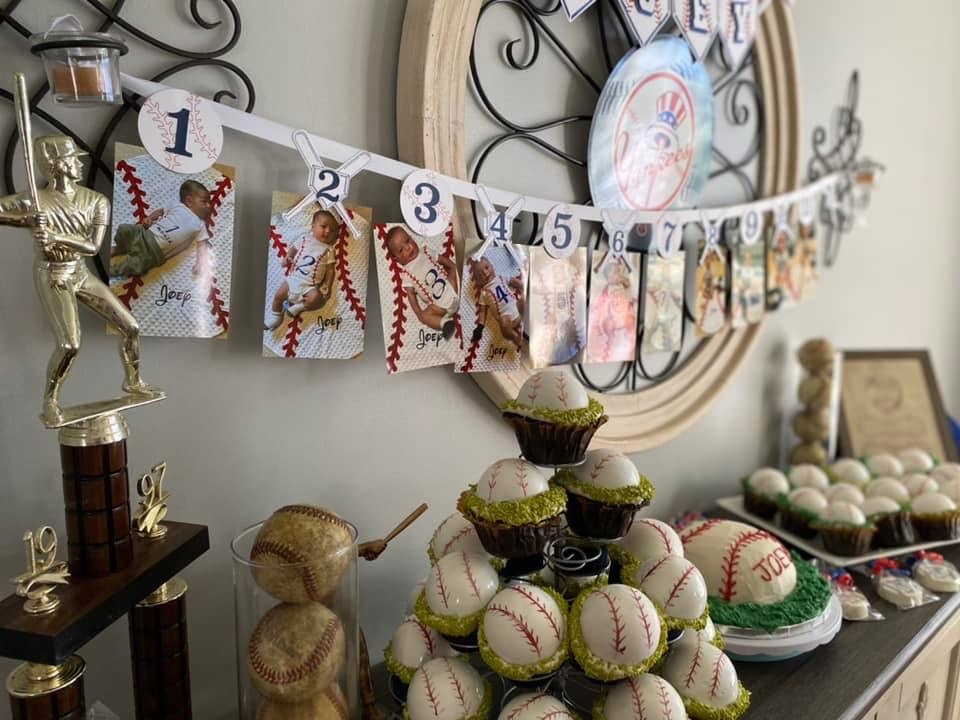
183,59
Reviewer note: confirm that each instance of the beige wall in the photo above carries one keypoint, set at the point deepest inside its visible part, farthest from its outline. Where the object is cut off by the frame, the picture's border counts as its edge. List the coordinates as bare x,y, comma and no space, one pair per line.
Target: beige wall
243,435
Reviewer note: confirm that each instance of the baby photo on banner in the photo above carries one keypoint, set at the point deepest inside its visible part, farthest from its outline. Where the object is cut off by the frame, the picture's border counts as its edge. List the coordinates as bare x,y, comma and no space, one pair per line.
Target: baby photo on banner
710,303
316,298
663,303
419,297
807,257
614,299
492,302
557,307
171,246
747,302
783,268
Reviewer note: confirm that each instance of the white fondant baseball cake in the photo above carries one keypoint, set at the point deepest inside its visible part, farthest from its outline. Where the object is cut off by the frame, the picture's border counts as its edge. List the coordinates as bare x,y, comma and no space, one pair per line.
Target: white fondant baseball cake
618,632
645,697
768,482
649,538
511,479
887,487
739,562
455,534
447,689
915,460
846,492
850,470
705,675
457,590
676,586
884,464
535,706
523,633
919,484
807,475
414,643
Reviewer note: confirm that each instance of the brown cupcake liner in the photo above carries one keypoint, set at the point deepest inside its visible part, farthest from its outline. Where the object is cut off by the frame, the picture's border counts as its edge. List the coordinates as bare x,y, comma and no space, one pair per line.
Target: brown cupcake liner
591,518
797,523
517,542
759,505
894,530
939,526
847,539
550,444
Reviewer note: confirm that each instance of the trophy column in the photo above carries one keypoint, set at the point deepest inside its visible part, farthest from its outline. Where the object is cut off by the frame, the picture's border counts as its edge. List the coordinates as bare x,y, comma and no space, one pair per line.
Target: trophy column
93,457
158,646
47,692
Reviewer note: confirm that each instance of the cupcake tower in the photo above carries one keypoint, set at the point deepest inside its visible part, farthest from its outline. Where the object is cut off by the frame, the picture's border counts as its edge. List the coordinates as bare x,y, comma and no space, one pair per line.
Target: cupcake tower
520,578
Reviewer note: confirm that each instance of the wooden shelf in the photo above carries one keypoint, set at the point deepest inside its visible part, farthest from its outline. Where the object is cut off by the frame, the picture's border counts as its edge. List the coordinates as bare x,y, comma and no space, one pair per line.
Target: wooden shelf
89,605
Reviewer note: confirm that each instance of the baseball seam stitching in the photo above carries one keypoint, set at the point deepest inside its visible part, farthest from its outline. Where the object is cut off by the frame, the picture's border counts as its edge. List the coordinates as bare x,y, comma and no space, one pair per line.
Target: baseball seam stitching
346,283
659,530
541,608
292,338
199,132
636,595
637,700
298,672
427,636
431,694
399,304
442,588
717,667
699,530
517,710
731,561
276,242
462,532
595,473
618,640
521,625
656,566
470,577
289,555
696,662
455,681
679,585
664,698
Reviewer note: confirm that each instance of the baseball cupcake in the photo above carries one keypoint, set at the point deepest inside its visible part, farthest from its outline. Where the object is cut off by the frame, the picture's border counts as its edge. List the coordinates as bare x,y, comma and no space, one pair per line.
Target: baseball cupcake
675,586
893,524
762,489
849,470
915,460
706,680
447,689
647,538
935,517
920,484
709,633
412,645
644,697
456,594
846,493
603,494
945,472
536,706
457,534
845,529
616,632
554,418
888,487
808,475
800,509
514,508
523,633
884,465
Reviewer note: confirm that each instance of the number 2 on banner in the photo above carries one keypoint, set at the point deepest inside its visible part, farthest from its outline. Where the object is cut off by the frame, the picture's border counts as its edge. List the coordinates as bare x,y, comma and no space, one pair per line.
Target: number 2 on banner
181,131
327,193
561,232
426,203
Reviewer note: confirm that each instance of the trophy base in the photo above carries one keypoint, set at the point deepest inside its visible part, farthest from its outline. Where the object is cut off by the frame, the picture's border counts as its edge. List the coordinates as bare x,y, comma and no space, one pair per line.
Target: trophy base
90,411
42,692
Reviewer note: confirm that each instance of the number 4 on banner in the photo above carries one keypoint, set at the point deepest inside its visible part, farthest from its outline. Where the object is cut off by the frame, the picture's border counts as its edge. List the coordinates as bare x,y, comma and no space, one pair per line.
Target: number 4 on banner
497,225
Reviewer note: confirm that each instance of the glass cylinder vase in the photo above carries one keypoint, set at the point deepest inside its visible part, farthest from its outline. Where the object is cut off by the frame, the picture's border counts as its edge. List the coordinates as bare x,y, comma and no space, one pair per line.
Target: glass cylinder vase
297,625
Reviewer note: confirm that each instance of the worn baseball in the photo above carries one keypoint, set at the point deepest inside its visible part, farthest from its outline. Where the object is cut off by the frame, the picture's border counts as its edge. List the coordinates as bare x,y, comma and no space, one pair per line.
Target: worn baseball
455,534
812,452
808,475
445,689
814,392
812,425
649,538
414,643
740,563
511,479
701,672
918,484
295,652
524,625
302,552
674,584
460,585
327,705
884,464
620,625
816,355
645,697
915,460
535,706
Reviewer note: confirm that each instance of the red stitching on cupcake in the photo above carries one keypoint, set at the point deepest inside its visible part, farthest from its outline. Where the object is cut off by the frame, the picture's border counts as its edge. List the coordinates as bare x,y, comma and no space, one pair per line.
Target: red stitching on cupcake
470,577
679,585
455,681
717,668
664,697
637,699
535,383
656,566
660,531
431,693
696,662
493,478
618,644
731,560
462,532
541,608
637,595
517,710
595,473
442,587
426,636
518,622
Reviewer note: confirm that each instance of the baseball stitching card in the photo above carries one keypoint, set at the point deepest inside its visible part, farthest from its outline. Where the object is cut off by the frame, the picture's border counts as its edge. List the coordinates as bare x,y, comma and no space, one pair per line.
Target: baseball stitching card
316,297
558,307
492,303
614,299
783,268
663,303
171,249
419,297
710,304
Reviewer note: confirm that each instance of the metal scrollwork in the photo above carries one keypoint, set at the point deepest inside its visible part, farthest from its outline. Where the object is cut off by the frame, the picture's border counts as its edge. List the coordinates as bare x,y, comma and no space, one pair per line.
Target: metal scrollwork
186,59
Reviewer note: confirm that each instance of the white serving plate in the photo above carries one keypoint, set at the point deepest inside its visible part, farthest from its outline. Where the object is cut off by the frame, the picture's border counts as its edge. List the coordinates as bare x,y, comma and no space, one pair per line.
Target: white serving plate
734,504
784,643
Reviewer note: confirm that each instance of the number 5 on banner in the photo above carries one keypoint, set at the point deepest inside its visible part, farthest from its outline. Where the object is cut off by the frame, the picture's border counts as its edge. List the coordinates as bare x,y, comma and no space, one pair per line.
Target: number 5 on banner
561,232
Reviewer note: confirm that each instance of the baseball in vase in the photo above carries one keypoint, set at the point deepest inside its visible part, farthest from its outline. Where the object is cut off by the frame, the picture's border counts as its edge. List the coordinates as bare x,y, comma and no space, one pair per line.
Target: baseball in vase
171,253
447,689
558,307
316,294
553,418
329,704
419,297
644,697
604,494
413,644
536,706
514,508
456,593
706,680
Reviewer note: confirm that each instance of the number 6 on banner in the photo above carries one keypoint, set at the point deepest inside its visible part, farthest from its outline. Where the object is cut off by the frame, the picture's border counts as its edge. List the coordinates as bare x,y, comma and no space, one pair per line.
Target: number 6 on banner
561,232
426,203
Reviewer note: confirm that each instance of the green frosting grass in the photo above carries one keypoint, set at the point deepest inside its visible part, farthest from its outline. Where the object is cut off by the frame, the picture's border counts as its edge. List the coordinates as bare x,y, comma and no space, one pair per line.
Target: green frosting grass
639,494
446,624
522,511
701,711
808,599
581,417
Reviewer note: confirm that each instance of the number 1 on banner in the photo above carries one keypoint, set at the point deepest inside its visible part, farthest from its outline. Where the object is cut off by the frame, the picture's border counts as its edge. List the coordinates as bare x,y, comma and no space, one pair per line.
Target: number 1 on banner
561,232
181,131
426,203
180,141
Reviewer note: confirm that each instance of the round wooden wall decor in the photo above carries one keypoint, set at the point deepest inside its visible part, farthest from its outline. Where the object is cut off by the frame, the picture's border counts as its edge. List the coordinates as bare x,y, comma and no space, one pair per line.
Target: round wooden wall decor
432,85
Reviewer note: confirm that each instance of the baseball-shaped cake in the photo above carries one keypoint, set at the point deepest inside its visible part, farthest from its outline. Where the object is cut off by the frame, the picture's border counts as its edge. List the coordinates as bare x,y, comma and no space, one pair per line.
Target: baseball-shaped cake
676,586
535,706
447,689
523,633
647,538
616,632
327,705
457,591
915,460
740,563
295,652
414,643
455,534
644,697
302,552
706,680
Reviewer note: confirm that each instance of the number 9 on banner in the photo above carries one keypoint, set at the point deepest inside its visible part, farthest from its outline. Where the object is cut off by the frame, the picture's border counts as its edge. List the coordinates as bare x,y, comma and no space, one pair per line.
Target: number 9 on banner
426,203
751,226
181,131
561,232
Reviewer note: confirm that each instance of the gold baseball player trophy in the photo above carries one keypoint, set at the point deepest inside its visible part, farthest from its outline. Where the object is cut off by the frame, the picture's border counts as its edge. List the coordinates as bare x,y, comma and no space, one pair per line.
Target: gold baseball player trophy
69,222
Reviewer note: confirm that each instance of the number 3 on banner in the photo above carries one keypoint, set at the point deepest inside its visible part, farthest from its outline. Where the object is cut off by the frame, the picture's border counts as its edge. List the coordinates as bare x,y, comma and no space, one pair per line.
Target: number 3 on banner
181,131
561,232
426,203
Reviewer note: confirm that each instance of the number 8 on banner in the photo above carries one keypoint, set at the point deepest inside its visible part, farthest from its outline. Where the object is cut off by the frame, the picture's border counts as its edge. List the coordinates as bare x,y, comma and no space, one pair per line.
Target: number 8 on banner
561,232
181,131
426,203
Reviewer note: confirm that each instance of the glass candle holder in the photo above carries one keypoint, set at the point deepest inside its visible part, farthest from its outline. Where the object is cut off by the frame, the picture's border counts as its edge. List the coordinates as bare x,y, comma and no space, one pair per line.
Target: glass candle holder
83,68
289,656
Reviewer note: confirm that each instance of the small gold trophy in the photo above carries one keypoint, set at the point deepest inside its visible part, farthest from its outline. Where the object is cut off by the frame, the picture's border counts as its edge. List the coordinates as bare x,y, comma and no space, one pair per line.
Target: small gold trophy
153,506
43,573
